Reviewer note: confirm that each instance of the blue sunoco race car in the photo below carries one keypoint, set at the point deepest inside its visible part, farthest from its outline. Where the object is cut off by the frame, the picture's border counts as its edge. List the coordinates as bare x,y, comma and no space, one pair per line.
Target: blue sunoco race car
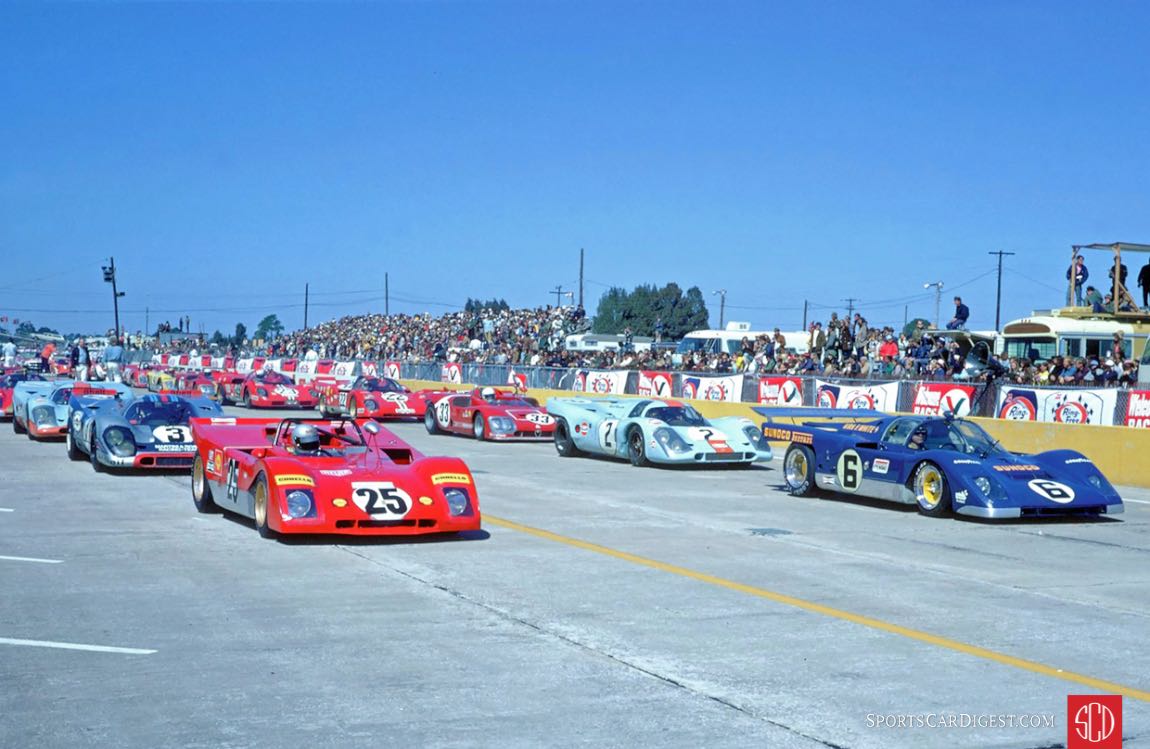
939,463
149,431
653,431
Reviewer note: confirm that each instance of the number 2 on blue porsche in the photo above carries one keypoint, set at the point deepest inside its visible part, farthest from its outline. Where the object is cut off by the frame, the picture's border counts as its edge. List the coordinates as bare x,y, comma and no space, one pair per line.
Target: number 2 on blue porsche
849,471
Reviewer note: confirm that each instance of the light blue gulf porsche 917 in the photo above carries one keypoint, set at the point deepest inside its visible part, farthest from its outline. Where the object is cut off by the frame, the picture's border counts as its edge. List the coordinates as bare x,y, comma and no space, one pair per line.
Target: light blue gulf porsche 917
653,431
939,463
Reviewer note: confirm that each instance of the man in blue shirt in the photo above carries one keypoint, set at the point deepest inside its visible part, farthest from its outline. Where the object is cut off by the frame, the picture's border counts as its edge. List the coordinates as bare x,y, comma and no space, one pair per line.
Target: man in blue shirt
113,360
961,315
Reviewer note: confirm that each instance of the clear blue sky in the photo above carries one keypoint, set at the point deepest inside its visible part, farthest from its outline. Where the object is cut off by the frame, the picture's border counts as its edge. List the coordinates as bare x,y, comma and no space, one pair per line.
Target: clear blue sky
226,154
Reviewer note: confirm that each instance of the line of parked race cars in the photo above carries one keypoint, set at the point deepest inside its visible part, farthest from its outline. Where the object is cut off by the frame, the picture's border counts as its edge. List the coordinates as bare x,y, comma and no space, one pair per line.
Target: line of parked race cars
341,472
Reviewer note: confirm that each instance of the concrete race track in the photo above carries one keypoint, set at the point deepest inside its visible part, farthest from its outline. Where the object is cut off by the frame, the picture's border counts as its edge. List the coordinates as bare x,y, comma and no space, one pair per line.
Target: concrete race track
604,606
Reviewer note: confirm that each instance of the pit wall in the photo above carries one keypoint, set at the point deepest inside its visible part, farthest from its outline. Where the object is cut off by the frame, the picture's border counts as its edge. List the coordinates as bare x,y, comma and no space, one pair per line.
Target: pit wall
1118,451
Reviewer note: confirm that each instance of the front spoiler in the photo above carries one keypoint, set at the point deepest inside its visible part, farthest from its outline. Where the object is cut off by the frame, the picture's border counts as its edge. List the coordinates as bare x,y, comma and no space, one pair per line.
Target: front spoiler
999,513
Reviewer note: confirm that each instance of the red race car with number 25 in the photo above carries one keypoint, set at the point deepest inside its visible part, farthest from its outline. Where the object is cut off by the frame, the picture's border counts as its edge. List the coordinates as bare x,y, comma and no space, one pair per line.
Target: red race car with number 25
328,476
489,414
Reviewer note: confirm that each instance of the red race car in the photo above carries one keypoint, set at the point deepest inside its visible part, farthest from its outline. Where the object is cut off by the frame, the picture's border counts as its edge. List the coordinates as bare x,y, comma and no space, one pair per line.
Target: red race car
8,381
196,382
328,476
374,398
489,414
266,389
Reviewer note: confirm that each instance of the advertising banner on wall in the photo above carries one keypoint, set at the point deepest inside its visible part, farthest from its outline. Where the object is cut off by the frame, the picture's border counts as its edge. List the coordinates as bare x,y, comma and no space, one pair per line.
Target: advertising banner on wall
1058,405
781,391
655,384
603,382
727,388
452,373
1138,409
879,397
936,398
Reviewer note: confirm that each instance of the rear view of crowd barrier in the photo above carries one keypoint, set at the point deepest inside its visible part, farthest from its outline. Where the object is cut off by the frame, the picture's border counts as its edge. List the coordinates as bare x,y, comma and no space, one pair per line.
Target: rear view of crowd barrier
1003,400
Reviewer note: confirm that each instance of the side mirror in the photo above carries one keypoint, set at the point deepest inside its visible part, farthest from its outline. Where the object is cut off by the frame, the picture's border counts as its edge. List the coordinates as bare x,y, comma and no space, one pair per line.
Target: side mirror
371,427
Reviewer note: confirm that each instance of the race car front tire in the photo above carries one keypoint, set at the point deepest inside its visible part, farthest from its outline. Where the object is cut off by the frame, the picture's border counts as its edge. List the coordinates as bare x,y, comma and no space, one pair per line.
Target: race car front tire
799,470
931,491
261,506
479,427
637,448
97,466
74,453
247,399
201,491
564,445
17,427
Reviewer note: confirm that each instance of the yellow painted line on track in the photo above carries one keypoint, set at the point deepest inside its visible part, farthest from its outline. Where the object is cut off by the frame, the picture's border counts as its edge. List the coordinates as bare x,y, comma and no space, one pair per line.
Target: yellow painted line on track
1101,685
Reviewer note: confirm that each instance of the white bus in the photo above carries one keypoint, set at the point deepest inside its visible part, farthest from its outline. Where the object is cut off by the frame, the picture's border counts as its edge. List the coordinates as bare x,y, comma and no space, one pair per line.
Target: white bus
730,340
1063,332
604,342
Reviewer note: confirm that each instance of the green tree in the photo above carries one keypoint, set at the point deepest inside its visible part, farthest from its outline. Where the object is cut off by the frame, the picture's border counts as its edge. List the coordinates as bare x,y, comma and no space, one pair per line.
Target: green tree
241,333
269,328
642,308
218,339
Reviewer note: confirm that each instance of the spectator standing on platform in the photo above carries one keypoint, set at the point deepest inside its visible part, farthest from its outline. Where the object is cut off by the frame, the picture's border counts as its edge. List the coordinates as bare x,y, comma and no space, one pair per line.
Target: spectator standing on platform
961,315
1078,274
1144,281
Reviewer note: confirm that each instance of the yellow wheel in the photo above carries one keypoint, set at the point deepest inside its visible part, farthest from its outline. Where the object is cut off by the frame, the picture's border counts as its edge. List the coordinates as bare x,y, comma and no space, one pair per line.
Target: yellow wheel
799,470
931,491
260,490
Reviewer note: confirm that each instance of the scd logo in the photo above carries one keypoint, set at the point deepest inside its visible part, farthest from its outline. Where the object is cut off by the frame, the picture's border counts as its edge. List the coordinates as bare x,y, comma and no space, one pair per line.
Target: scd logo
1094,721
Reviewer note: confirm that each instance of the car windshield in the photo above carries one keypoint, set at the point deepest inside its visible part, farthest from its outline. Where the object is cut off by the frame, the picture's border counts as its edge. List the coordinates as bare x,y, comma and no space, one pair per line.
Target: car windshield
976,440
273,378
158,413
378,385
61,396
677,416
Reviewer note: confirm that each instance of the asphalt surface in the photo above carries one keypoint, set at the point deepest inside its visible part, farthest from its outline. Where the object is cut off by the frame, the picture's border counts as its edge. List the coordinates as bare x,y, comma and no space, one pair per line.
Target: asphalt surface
603,606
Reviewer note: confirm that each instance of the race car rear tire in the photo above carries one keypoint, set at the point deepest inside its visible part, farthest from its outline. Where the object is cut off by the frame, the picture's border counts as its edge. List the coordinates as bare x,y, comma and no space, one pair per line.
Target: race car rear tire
201,491
637,448
429,421
74,453
564,445
931,491
799,470
479,428
97,466
261,506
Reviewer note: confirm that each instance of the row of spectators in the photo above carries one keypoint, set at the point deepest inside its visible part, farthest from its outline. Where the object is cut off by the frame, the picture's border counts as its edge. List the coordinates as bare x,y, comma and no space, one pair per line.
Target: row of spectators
845,347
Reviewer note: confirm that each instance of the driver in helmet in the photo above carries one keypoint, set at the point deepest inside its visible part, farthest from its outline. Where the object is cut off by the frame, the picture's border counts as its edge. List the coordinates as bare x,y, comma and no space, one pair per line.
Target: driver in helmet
487,394
305,439
917,439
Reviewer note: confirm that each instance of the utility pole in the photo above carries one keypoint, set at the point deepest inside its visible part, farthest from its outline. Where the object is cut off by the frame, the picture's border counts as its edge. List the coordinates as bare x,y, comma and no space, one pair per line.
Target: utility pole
386,295
580,276
558,292
305,298
110,277
998,298
937,286
850,300
147,329
805,303
722,305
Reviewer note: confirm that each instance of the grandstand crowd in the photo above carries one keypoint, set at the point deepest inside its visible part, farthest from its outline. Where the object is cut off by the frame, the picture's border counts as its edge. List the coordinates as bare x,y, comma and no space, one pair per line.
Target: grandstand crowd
848,348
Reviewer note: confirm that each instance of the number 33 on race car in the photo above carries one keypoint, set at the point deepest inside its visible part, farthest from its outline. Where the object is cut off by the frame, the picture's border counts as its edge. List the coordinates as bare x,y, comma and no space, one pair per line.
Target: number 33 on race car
850,471
443,411
381,499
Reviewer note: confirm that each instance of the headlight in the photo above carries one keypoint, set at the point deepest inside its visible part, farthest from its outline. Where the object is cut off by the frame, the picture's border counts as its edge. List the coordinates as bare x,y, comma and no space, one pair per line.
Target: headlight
501,424
671,441
262,391
458,503
207,390
44,414
1095,481
754,436
299,504
989,487
371,404
313,393
120,442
